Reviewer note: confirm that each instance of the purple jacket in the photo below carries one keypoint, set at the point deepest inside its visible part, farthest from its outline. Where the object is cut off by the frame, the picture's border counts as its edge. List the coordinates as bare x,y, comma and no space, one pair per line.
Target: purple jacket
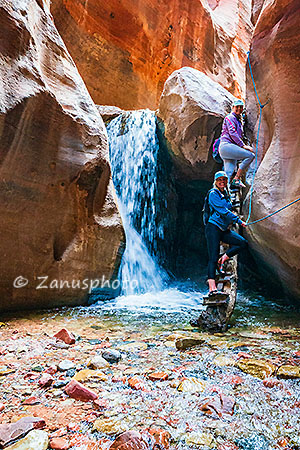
232,130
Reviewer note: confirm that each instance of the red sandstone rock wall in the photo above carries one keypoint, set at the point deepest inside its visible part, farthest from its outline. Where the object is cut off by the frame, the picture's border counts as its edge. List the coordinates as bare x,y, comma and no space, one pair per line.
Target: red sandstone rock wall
58,216
126,49
275,57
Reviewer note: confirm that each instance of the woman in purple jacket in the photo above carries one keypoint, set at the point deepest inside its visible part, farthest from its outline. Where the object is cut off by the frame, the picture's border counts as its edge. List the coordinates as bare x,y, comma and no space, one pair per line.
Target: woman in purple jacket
232,149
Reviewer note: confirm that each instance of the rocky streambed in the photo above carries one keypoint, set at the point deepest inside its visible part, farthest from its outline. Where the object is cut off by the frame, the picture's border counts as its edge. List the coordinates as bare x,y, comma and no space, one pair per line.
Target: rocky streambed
141,377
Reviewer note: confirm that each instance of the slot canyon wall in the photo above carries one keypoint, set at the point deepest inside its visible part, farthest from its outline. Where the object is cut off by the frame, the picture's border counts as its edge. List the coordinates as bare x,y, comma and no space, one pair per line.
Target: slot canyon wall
58,215
125,50
275,56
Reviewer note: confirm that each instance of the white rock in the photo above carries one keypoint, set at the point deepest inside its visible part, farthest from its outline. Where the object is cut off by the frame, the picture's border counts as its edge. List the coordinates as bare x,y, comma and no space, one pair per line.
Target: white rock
35,440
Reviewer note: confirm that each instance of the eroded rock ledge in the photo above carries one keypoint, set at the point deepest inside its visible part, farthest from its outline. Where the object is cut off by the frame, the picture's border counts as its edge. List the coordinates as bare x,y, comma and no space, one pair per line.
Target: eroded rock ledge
58,215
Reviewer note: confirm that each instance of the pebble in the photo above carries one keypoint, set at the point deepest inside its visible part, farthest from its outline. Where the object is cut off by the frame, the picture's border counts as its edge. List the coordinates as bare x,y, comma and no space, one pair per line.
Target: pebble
192,385
137,383
65,365
158,376
133,440
271,382
37,368
86,374
256,367
112,356
31,401
59,444
199,439
60,383
110,426
134,346
97,363
66,336
185,343
78,391
46,380
161,437
288,372
223,361
70,373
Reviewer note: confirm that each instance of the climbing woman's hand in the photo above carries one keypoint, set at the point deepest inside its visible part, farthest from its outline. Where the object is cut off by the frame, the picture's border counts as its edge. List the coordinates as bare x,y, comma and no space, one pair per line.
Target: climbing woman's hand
248,147
243,224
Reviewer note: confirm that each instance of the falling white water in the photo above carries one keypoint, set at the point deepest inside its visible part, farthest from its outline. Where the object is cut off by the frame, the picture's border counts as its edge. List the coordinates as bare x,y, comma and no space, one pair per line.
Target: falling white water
133,153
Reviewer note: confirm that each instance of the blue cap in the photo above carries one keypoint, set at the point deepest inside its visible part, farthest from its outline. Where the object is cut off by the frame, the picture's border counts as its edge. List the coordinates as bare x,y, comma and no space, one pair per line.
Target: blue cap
220,174
238,102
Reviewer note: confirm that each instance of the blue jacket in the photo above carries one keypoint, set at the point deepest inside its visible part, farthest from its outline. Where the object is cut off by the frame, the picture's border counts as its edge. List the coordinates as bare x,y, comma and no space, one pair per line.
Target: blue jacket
221,210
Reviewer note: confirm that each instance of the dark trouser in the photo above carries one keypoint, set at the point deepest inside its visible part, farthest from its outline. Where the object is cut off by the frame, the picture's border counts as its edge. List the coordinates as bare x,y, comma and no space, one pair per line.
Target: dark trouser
214,235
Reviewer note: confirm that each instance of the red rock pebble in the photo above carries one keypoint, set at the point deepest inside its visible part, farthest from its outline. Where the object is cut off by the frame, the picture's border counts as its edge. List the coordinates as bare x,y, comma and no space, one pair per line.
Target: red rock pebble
59,444
137,383
31,401
52,370
132,440
162,437
271,382
2,407
78,391
66,336
158,376
46,380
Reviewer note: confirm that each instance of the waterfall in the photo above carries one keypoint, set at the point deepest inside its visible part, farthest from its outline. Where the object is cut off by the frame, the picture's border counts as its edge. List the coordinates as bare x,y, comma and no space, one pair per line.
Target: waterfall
134,151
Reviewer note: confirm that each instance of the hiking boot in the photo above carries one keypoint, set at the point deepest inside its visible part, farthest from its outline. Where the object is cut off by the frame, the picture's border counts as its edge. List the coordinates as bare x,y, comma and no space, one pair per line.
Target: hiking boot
237,183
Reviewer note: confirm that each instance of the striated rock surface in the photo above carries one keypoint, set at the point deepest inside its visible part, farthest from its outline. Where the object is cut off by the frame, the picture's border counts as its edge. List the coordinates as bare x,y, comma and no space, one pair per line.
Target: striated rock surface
35,440
192,108
58,215
126,50
275,60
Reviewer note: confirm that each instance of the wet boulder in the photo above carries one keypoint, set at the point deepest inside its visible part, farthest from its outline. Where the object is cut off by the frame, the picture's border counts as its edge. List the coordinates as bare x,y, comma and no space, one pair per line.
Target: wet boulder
57,200
191,111
35,440
256,367
12,431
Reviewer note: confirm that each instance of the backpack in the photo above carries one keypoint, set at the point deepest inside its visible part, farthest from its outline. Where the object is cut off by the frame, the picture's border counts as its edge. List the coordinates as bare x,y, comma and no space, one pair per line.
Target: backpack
206,210
215,152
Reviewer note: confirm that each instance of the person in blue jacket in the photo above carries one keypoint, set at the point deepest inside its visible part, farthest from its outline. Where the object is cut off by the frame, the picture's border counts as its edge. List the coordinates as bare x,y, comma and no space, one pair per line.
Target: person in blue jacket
216,229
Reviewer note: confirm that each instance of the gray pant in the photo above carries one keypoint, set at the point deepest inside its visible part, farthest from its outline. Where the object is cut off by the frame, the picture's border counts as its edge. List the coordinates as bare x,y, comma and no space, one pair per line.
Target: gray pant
231,154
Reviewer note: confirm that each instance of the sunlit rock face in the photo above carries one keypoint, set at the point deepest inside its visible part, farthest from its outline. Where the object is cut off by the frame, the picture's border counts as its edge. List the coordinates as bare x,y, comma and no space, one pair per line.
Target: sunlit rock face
276,66
192,108
58,215
125,50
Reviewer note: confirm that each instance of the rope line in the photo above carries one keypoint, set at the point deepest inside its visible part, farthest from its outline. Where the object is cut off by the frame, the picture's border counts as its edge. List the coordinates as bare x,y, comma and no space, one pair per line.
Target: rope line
275,212
261,106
